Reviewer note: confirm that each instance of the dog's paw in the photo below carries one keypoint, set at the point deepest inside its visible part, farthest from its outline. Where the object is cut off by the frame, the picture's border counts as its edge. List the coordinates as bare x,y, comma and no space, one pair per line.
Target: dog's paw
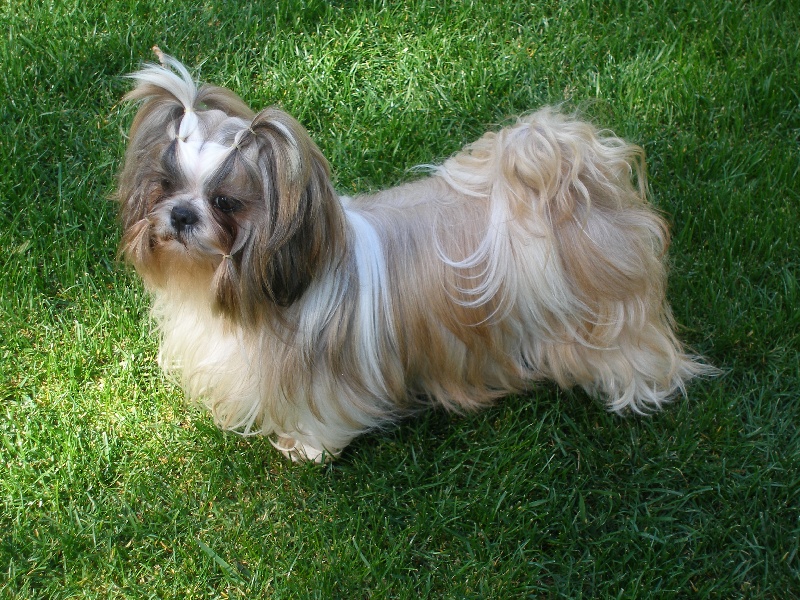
299,452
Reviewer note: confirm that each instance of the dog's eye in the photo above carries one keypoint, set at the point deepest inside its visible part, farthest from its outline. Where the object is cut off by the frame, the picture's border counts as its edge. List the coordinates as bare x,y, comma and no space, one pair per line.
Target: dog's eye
166,186
226,204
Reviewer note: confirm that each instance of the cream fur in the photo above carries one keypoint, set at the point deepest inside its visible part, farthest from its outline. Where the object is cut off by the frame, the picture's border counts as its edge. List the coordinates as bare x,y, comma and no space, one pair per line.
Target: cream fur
532,254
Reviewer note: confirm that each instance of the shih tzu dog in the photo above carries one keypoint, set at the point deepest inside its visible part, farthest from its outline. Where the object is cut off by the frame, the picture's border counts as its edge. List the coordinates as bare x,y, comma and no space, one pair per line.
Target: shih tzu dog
308,317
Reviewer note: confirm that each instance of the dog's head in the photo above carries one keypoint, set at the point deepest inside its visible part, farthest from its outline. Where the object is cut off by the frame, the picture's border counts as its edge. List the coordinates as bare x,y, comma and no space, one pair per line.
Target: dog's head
215,196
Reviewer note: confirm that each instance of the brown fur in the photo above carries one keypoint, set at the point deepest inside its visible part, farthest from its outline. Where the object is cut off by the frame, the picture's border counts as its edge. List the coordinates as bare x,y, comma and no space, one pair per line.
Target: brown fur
532,254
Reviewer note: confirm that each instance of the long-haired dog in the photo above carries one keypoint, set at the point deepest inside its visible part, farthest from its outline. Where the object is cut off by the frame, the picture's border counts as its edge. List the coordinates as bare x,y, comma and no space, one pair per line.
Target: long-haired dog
309,317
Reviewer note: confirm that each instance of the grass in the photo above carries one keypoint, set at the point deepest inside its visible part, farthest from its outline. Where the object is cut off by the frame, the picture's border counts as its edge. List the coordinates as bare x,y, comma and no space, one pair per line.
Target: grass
110,487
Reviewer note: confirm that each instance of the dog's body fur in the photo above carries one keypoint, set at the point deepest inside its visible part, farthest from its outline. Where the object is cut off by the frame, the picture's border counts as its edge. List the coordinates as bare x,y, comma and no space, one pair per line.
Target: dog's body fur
311,318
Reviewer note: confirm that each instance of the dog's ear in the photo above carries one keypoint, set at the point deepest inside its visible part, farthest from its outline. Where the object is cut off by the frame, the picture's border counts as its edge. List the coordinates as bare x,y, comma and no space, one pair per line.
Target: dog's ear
137,186
165,93
298,225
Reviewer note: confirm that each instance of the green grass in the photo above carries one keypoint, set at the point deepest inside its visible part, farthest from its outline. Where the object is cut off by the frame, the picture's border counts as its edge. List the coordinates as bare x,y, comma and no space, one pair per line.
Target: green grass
110,487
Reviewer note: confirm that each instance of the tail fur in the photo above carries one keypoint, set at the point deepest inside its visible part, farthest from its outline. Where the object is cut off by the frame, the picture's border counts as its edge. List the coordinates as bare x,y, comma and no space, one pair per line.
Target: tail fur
568,205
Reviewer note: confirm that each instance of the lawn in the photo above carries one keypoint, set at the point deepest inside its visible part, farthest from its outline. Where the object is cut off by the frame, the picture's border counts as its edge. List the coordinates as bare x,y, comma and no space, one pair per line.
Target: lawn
112,487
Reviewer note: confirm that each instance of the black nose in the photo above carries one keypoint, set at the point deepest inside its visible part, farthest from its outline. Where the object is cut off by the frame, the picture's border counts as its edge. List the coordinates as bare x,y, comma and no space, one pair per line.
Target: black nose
182,217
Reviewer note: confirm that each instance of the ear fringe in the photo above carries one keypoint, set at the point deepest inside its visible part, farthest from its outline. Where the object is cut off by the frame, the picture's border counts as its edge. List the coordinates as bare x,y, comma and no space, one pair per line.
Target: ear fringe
303,219
135,243
226,286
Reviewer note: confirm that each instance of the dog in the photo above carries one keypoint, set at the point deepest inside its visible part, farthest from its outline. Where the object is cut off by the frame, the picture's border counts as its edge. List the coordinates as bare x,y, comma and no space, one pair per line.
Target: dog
308,317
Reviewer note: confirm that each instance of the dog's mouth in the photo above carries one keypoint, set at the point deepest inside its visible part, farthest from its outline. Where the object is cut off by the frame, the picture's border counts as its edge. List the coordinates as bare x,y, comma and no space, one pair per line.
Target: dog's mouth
181,237
162,235
188,243
184,243
154,235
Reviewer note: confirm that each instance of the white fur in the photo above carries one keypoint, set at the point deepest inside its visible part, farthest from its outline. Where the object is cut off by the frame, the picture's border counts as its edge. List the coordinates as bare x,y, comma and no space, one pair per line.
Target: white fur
530,255
231,372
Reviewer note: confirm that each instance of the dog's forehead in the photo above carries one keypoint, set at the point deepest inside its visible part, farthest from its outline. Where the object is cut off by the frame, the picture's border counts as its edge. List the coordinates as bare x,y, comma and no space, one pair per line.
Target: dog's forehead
204,141
218,127
200,159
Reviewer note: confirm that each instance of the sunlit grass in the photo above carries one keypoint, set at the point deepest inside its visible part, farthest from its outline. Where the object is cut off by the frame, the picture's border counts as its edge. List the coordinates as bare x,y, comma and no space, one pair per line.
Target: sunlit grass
111,487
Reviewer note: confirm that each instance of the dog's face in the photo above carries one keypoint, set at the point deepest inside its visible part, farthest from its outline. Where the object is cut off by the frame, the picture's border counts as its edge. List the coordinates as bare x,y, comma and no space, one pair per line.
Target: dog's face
213,196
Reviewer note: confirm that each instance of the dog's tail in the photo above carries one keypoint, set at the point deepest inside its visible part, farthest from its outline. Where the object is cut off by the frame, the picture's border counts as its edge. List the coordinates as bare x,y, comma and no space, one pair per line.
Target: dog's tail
567,204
